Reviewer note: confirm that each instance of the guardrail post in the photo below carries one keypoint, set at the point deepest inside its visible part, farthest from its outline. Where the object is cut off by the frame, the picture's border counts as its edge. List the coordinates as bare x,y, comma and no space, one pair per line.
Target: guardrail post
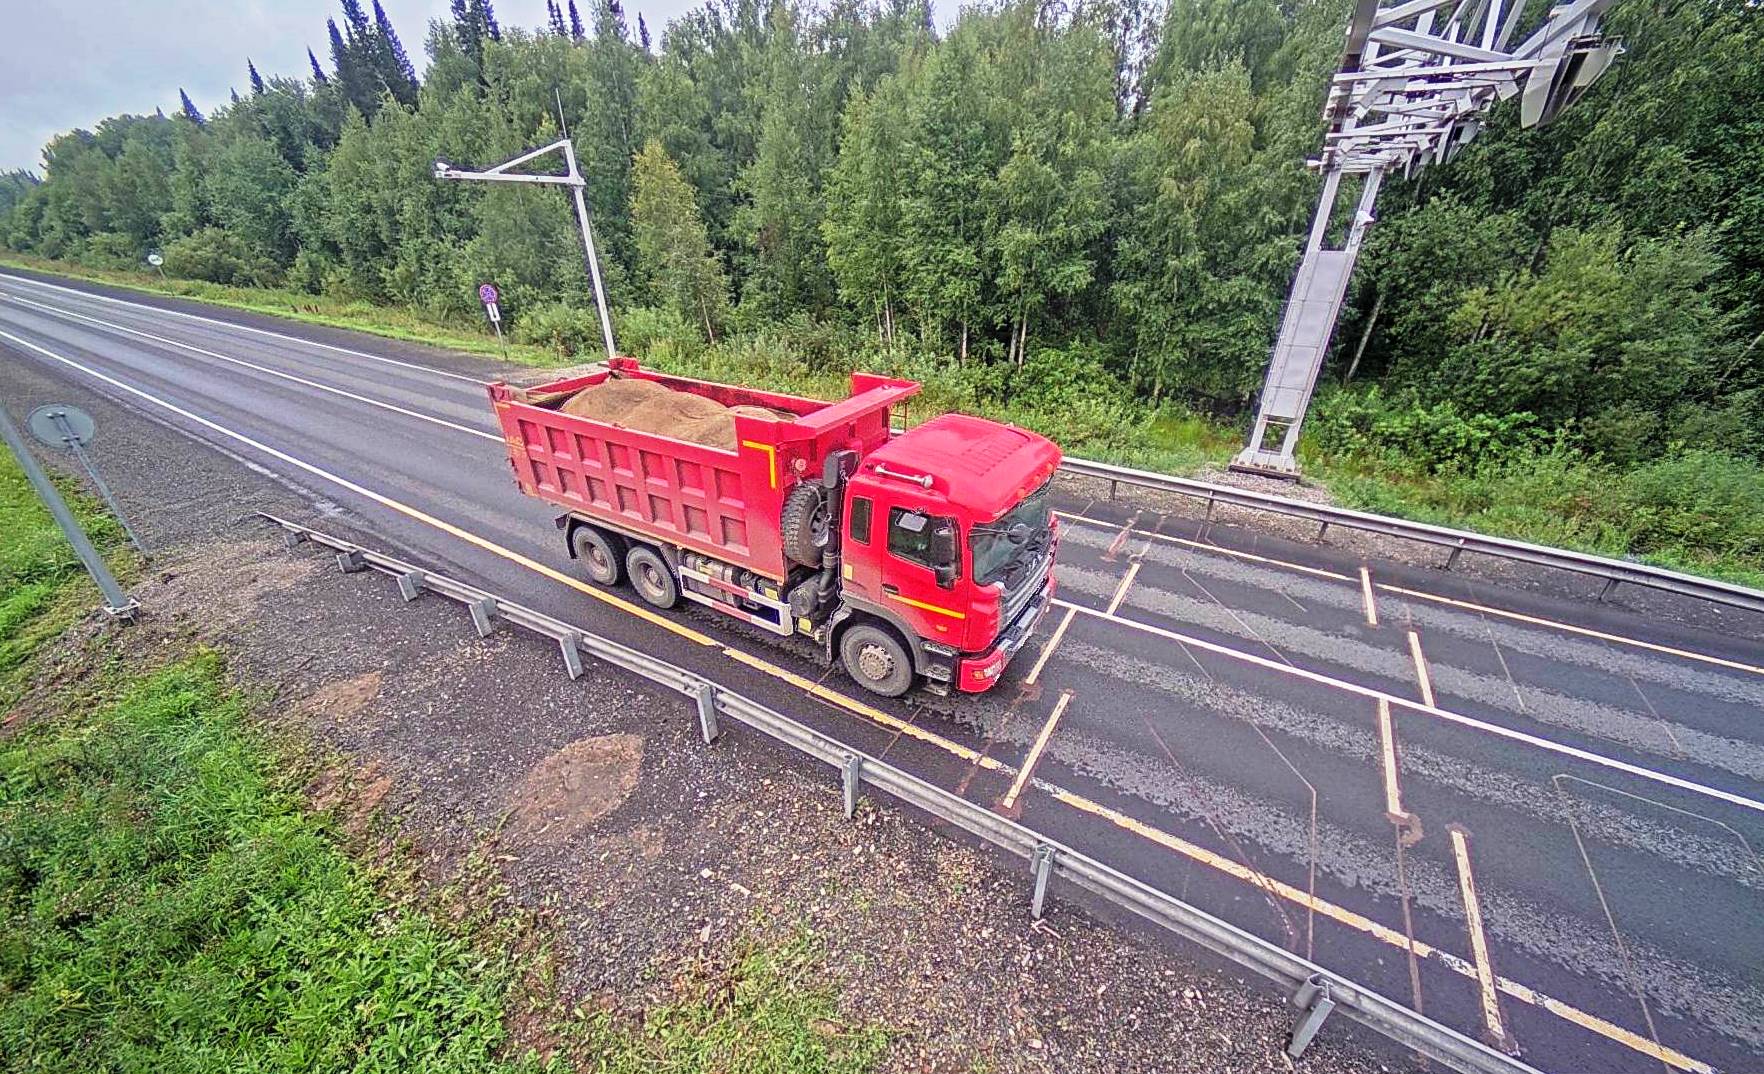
1313,998
483,615
572,656
350,562
853,771
707,711
1114,486
410,585
1610,584
1042,863
1211,505
1321,531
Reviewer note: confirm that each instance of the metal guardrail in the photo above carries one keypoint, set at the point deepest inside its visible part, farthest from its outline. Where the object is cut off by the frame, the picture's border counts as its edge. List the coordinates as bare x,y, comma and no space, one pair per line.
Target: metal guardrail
1613,571
1315,991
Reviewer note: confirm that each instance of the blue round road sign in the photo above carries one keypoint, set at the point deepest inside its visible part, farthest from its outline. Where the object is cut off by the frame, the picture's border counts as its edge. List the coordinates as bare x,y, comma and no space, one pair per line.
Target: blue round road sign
487,293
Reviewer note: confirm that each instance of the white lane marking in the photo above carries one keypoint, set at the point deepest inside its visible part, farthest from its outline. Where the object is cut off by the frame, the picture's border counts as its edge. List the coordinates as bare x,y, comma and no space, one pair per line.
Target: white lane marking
1121,590
1366,596
260,368
1393,792
1448,716
1518,617
1485,976
1047,729
1524,993
1421,668
1053,642
243,328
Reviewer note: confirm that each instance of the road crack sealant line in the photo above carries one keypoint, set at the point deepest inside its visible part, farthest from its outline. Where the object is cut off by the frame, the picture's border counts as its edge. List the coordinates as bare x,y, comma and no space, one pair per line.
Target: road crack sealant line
1401,1024
1437,598
1526,994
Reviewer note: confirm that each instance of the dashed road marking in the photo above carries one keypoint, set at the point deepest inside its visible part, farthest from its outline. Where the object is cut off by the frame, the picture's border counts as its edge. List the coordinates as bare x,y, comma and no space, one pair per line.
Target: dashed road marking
1393,793
1121,590
1485,975
1550,745
1047,649
1349,918
1421,669
1029,762
1366,596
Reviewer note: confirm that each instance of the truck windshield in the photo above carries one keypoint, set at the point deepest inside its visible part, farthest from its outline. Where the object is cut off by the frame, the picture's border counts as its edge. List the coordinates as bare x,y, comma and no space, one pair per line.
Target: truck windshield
995,553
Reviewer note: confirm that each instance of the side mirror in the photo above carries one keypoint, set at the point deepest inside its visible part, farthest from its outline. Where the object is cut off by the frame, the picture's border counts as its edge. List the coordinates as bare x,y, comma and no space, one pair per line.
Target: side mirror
946,575
944,555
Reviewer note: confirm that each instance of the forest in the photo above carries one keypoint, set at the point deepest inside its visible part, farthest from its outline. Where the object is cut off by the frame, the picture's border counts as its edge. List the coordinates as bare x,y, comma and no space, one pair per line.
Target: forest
1080,215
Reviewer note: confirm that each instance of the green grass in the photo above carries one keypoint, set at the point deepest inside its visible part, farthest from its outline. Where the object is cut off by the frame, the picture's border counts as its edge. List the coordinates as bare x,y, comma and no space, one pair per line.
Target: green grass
168,906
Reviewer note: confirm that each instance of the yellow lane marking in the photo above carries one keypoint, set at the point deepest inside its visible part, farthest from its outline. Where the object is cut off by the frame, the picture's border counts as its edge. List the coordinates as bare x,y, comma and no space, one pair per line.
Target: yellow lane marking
1485,975
1448,716
1592,1023
1121,590
1421,668
1047,729
771,457
1393,794
1366,596
1053,642
939,609
1524,993
1518,617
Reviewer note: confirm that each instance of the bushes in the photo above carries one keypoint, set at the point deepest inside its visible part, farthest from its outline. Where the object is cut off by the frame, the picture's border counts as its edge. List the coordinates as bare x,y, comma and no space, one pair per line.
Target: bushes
565,329
219,257
1414,437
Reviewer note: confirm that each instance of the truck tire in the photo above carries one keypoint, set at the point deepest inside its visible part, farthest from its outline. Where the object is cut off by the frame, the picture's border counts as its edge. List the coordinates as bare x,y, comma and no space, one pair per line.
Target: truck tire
876,660
651,577
601,555
805,523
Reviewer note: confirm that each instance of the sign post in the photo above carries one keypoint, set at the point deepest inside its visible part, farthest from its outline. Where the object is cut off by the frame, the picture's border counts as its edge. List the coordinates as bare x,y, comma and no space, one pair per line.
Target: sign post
488,296
116,602
60,425
157,262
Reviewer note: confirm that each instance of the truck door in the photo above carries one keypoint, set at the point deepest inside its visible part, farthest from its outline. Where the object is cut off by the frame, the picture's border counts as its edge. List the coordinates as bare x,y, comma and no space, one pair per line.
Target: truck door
920,570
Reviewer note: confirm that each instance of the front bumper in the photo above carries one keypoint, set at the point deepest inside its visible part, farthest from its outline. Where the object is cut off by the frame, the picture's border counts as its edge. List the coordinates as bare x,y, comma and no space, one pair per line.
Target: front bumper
977,674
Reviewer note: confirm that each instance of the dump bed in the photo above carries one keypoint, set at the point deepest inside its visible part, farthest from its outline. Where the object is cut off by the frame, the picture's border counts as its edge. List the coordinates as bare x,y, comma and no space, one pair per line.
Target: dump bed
725,502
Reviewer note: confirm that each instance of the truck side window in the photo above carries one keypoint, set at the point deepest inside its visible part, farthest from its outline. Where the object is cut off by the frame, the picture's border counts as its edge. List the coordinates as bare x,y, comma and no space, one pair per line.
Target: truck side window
860,519
910,535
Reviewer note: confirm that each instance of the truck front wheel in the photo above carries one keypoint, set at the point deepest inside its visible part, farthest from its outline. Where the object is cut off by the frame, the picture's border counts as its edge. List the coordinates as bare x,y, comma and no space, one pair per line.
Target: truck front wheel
877,660
651,577
602,557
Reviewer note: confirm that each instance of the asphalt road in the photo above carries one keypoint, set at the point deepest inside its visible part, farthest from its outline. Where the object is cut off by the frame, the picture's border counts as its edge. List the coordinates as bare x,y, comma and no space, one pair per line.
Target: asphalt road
1538,819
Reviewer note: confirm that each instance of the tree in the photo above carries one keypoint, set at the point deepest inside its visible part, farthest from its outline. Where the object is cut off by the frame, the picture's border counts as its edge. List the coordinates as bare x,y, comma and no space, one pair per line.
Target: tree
318,73
555,16
256,79
675,264
576,31
189,109
395,71
865,245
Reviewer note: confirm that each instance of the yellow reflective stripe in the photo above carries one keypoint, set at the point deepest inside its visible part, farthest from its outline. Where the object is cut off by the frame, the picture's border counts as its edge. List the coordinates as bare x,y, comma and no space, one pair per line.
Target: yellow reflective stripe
771,454
952,613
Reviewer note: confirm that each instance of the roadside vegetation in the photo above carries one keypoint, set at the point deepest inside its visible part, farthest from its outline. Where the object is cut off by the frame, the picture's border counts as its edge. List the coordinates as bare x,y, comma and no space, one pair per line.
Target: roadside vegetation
170,900
1082,218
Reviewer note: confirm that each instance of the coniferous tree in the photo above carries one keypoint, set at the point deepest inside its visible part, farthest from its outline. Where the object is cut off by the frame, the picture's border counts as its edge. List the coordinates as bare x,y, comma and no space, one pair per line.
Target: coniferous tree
395,70
555,19
486,16
318,73
642,30
191,112
468,30
256,79
355,76
576,30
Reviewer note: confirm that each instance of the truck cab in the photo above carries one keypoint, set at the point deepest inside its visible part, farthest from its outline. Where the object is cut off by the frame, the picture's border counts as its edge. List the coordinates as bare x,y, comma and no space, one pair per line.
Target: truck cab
948,537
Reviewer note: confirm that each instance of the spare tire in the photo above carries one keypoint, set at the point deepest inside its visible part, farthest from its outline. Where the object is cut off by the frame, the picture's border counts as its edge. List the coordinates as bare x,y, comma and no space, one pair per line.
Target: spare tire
806,524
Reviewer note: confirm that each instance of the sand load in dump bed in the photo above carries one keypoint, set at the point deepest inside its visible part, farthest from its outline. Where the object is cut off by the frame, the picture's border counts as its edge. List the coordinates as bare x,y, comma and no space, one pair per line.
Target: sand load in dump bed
649,407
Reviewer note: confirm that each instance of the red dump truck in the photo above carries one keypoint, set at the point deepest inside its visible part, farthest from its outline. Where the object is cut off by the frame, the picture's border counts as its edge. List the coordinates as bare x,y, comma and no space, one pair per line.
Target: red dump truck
923,556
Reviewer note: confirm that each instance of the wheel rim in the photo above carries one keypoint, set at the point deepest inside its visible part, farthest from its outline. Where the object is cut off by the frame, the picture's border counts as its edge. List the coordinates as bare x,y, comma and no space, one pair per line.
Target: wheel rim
820,525
651,578
599,562
875,662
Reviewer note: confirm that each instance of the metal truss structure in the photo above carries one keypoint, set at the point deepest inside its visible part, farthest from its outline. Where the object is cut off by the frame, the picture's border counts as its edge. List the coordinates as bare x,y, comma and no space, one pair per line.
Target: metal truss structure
1414,81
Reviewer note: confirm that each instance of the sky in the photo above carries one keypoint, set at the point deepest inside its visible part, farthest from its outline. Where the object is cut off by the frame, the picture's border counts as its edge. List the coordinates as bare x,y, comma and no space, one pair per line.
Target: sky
70,63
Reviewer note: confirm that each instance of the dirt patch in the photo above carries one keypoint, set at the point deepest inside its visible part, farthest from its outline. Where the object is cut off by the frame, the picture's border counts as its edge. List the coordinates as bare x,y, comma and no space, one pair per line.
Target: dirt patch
571,789
344,699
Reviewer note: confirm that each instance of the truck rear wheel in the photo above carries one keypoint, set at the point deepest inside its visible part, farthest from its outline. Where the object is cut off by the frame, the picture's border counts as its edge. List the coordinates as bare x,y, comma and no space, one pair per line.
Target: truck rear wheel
651,577
877,660
602,556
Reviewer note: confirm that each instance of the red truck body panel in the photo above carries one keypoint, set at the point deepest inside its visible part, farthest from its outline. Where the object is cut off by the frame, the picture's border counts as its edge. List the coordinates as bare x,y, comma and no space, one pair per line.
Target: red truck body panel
726,504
